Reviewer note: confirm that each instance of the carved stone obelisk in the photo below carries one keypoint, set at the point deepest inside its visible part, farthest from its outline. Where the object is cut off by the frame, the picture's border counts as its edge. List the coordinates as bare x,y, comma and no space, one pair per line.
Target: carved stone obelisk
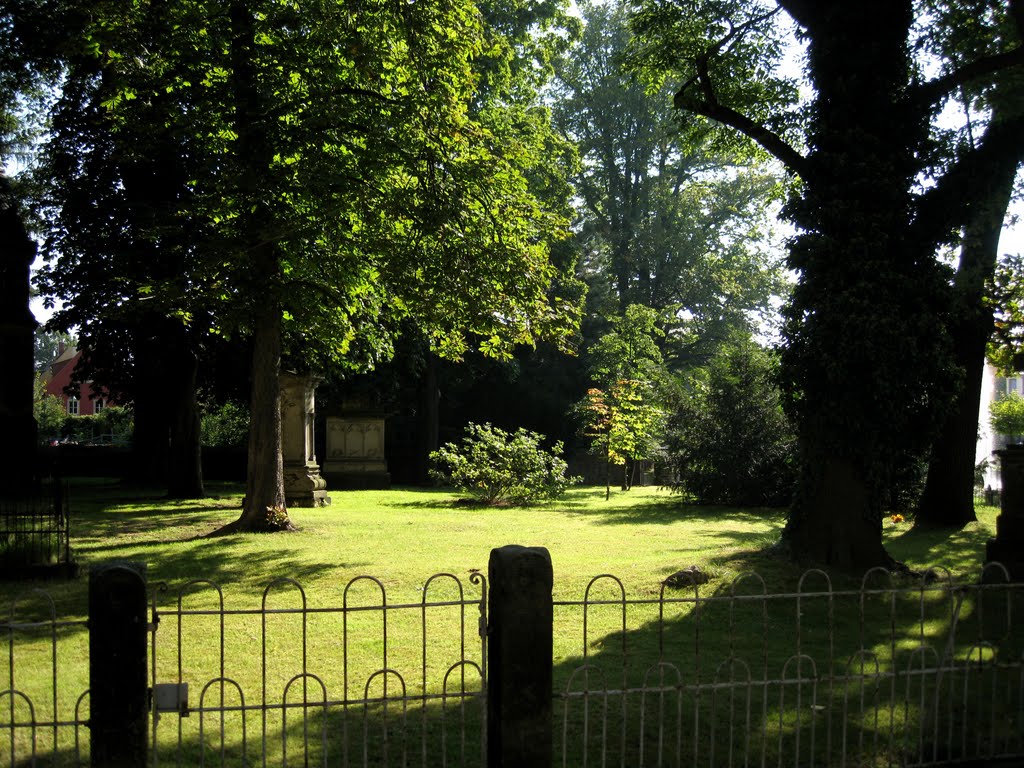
304,486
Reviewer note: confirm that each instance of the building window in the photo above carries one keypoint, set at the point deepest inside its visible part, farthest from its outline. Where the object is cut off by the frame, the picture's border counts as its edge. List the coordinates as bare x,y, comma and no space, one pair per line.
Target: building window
98,405
1013,385
73,406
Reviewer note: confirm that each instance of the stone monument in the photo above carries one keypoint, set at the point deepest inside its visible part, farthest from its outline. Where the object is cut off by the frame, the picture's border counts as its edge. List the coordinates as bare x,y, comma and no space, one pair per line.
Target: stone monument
355,452
304,486
1008,545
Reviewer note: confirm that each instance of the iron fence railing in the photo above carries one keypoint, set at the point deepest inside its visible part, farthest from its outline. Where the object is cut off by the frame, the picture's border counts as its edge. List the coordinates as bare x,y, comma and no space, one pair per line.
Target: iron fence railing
35,530
321,685
892,672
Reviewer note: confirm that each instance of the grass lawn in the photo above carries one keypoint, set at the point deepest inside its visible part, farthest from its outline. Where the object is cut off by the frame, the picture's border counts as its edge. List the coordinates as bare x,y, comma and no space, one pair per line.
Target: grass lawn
402,538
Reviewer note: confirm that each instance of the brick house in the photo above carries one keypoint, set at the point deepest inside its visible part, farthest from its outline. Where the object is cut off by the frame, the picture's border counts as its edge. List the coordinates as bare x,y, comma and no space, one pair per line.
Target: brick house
58,376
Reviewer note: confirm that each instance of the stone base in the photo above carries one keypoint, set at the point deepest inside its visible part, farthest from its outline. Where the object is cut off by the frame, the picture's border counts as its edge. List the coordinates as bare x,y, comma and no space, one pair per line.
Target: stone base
360,481
314,499
304,486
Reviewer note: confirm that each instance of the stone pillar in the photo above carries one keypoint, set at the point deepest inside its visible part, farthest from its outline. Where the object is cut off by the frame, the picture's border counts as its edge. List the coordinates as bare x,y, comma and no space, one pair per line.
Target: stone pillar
303,484
519,658
1008,545
355,452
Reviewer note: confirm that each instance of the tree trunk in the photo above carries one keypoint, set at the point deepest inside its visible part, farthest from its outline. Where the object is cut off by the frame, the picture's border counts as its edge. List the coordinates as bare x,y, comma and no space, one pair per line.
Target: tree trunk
430,418
151,426
185,466
948,497
864,355
835,520
17,326
264,507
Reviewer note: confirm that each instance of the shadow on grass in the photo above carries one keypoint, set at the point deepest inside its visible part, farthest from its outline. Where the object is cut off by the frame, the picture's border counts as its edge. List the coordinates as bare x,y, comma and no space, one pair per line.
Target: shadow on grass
824,675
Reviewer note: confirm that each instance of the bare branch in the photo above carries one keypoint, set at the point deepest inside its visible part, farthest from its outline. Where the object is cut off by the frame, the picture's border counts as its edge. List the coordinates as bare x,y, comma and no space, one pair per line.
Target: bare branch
769,140
934,90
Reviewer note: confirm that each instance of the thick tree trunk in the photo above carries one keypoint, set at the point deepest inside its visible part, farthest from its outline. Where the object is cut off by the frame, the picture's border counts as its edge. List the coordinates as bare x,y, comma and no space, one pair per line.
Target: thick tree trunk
863,332
836,519
264,507
151,430
185,469
948,497
17,326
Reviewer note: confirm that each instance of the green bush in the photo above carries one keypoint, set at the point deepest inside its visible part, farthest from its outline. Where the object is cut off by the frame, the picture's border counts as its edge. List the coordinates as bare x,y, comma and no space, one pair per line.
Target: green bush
1006,416
226,426
729,441
495,466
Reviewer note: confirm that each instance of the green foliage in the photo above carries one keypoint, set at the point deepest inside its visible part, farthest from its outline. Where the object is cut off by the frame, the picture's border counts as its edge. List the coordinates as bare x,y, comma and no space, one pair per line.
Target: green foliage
622,422
48,411
729,440
1006,299
665,221
112,426
1006,415
47,346
226,425
493,465
622,414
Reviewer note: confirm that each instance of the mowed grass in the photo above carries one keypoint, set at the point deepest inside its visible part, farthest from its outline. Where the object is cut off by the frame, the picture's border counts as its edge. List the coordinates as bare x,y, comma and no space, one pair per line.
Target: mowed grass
404,537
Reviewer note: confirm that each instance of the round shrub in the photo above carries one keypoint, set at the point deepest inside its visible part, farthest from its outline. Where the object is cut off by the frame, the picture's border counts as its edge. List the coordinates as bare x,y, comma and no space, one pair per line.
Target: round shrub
495,466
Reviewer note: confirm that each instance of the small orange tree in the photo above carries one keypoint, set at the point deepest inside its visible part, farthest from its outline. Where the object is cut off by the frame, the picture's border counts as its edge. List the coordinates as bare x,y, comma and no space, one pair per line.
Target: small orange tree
622,416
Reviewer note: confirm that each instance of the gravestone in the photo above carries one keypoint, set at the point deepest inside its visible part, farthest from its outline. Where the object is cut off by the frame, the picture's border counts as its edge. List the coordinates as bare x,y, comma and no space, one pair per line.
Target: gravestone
355,452
304,486
1008,545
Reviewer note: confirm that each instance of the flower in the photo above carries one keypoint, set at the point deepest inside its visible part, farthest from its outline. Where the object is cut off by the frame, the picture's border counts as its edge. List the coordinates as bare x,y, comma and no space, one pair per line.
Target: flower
897,518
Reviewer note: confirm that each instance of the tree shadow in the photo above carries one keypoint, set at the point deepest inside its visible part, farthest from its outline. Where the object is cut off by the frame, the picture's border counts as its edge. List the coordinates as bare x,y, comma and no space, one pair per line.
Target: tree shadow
812,672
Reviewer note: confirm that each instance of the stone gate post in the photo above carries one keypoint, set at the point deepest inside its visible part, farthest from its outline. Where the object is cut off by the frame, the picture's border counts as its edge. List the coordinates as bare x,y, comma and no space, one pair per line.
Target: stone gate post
118,693
519,667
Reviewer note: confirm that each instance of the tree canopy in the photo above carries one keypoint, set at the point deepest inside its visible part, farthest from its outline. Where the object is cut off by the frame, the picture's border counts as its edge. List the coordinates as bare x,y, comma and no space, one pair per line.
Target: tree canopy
305,180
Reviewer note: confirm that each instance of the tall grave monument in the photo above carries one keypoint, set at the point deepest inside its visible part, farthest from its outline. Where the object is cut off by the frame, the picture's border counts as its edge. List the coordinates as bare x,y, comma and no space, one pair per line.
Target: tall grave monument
304,486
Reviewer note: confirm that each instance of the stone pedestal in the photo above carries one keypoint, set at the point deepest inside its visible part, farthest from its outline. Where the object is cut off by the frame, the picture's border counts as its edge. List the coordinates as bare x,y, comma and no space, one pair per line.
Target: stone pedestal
304,486
355,453
1008,545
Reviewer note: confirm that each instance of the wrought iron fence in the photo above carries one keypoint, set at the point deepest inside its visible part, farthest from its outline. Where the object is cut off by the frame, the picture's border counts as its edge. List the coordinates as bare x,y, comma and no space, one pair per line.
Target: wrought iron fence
289,682
35,531
891,672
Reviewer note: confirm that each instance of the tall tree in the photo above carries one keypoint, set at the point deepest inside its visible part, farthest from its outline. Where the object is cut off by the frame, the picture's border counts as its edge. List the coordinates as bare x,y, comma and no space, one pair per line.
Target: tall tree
667,220
962,32
341,184
866,361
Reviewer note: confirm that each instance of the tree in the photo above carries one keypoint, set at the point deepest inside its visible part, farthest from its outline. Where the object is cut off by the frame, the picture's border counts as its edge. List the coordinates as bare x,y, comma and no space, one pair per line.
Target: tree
48,346
340,184
667,221
965,31
1006,416
621,415
728,438
866,364
1005,298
